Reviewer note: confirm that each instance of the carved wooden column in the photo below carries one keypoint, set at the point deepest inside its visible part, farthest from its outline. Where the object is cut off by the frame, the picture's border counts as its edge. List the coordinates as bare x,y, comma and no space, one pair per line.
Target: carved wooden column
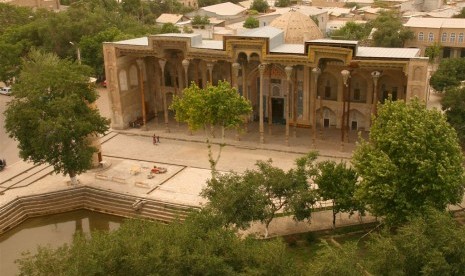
375,75
261,68
288,71
185,65
162,64
235,67
315,73
245,93
210,66
345,78
140,65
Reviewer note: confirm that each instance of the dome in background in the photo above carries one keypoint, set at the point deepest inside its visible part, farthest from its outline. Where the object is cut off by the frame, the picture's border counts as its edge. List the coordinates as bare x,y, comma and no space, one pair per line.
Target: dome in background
297,27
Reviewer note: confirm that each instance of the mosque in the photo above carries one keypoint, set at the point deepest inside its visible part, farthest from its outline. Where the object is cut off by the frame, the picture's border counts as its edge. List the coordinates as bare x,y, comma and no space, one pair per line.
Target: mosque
287,70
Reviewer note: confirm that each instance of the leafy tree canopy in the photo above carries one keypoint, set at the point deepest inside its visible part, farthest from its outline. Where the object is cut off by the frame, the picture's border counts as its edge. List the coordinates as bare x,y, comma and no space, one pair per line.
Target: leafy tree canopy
461,14
199,246
453,105
219,105
282,3
450,73
390,31
337,182
431,244
351,31
257,195
50,114
260,5
412,161
251,23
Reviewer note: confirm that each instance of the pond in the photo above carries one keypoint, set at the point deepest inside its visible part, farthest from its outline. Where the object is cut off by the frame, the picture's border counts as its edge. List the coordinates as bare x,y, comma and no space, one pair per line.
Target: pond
53,230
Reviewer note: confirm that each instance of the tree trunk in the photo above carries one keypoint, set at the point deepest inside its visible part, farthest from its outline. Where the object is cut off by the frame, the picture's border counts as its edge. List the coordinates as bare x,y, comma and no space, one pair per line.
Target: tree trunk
334,217
74,181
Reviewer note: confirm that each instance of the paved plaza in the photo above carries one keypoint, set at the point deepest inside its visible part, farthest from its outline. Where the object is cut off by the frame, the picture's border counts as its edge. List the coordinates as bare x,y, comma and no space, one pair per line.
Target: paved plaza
130,155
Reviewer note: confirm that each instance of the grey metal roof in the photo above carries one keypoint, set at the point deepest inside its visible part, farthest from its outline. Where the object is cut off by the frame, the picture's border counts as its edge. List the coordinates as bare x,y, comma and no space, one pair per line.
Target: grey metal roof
379,52
289,49
209,44
275,35
140,41
334,41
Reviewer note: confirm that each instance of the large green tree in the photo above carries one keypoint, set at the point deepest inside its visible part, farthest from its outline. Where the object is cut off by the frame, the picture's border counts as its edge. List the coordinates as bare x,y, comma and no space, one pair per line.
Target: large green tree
351,31
390,32
258,195
450,73
337,183
214,106
50,114
251,23
199,246
260,6
431,244
453,104
411,161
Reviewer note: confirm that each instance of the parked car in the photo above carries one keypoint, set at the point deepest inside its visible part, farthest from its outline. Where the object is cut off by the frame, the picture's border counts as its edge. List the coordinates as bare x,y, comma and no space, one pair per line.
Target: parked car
5,91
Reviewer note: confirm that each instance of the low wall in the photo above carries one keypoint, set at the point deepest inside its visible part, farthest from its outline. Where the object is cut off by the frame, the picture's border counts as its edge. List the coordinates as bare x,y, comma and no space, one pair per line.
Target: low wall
93,199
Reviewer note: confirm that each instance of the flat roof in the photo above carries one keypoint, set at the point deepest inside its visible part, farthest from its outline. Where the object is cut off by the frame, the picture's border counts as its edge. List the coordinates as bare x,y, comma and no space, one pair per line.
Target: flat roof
140,41
423,22
289,49
380,52
224,9
277,45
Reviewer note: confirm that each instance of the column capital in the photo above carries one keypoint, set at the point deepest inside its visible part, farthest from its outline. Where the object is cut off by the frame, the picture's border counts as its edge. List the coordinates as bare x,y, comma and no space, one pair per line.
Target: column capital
185,62
316,71
375,75
261,68
288,71
140,62
345,76
162,63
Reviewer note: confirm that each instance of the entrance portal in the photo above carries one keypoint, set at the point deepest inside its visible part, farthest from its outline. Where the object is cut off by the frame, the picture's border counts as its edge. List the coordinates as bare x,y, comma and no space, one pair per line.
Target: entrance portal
277,109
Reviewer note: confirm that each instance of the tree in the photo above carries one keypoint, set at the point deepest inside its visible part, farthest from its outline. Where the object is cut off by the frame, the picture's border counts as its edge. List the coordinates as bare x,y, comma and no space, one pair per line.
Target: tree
351,31
198,246
9,60
450,73
257,195
260,6
169,28
433,52
337,182
461,14
390,31
431,244
282,3
333,260
50,114
251,23
412,161
219,105
453,105
200,21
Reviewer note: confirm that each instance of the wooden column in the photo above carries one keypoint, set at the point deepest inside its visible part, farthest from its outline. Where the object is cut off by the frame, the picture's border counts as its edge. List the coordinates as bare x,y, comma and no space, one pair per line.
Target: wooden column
288,71
261,68
162,64
315,73
140,65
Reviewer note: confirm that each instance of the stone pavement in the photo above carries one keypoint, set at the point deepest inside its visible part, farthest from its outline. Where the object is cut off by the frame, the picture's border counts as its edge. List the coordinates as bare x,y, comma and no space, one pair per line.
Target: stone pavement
130,154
